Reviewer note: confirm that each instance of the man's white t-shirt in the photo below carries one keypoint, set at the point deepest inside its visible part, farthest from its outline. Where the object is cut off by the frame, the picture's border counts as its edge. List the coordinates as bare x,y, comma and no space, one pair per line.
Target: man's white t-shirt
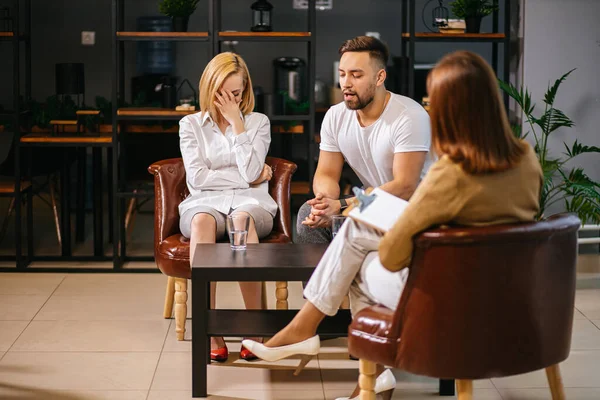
404,126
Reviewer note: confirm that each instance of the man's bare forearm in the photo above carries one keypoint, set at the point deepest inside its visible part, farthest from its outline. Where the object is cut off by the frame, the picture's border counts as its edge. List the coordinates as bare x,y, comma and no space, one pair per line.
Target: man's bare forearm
327,186
399,189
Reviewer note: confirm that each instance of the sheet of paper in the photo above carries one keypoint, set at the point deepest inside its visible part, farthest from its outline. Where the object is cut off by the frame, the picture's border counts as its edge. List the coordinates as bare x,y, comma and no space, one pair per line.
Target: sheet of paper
382,213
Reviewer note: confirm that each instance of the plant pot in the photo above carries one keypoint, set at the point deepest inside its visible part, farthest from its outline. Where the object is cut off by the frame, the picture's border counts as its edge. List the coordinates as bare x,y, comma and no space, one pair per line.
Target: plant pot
180,24
473,24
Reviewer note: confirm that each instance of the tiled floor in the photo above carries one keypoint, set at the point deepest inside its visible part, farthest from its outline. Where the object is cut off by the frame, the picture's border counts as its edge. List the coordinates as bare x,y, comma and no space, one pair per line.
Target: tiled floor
102,336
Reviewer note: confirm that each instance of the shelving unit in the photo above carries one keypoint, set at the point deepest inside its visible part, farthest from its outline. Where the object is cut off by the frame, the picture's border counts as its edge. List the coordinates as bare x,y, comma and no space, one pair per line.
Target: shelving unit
15,115
215,36
173,36
410,38
309,38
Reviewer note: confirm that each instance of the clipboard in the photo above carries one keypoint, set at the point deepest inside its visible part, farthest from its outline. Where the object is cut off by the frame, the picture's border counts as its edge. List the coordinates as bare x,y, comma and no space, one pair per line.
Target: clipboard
375,208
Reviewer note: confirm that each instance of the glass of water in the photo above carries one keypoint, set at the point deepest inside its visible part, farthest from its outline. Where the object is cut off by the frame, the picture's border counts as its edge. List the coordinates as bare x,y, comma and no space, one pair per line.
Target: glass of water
237,225
336,223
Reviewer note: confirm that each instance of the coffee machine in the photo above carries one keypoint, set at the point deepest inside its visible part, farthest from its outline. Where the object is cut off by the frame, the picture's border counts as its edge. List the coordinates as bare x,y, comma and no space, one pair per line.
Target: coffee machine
290,85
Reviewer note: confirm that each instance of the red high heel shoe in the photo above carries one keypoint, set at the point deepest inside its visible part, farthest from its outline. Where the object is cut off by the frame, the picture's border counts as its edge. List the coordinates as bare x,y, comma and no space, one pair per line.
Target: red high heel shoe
220,355
247,355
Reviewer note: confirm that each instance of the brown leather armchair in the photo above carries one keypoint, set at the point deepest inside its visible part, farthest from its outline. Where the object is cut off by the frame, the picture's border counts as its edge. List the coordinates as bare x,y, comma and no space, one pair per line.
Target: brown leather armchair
172,250
479,303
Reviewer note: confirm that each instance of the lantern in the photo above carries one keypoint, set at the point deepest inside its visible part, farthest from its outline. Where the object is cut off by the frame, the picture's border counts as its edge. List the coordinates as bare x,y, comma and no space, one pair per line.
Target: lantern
261,16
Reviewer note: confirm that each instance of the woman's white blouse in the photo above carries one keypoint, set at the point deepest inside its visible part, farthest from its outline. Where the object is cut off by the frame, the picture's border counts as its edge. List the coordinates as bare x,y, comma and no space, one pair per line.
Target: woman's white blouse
219,167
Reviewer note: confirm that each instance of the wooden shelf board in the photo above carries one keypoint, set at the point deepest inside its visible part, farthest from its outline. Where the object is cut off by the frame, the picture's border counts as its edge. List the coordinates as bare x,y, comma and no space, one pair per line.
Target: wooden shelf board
435,35
296,129
7,34
63,122
163,34
8,186
265,34
152,112
300,188
46,138
88,112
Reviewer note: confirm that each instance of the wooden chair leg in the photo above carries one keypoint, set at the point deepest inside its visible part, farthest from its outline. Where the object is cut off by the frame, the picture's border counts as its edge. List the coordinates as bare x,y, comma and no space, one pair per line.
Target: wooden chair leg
180,306
55,210
366,379
169,297
129,217
465,389
555,382
281,294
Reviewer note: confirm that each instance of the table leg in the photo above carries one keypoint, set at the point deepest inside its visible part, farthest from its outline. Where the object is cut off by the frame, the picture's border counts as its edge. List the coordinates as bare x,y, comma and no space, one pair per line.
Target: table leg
281,293
200,339
81,186
30,224
65,211
109,174
98,206
446,387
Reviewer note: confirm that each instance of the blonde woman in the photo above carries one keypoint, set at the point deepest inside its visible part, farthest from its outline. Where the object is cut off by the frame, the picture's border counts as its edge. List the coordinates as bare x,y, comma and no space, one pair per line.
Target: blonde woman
224,147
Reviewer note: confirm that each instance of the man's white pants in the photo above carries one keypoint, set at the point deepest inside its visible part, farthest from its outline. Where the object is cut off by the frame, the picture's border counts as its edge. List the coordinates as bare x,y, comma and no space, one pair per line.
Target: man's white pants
351,266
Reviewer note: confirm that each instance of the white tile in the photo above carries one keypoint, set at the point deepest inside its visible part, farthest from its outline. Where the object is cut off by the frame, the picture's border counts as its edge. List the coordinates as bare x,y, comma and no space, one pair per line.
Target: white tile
9,332
29,284
79,371
579,370
544,394
588,302
175,373
93,336
24,392
240,395
422,394
19,307
346,379
586,336
578,315
122,285
103,308
108,266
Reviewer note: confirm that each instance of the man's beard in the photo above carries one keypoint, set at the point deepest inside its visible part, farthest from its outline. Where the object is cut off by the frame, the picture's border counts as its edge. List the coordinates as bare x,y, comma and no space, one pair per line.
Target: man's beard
358,103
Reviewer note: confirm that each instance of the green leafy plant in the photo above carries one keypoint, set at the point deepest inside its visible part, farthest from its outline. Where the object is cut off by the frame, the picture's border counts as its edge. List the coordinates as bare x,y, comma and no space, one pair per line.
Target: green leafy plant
472,8
581,195
177,8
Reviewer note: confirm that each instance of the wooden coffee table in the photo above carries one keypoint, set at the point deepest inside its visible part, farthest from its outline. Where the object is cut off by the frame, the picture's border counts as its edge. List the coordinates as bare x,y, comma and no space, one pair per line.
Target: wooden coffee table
260,262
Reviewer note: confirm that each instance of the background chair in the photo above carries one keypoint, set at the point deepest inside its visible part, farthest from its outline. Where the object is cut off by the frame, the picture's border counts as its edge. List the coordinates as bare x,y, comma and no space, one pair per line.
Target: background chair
172,250
479,303
35,163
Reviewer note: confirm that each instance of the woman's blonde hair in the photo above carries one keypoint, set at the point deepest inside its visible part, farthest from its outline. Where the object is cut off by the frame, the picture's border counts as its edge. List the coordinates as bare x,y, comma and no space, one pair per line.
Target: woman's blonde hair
221,67
468,118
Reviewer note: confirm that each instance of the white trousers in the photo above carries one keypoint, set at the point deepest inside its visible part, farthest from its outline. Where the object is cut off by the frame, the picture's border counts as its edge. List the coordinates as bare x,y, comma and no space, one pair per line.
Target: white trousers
351,266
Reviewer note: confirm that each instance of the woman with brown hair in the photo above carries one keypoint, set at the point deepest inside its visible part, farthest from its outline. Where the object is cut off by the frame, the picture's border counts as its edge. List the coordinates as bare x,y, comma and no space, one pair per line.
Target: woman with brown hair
483,176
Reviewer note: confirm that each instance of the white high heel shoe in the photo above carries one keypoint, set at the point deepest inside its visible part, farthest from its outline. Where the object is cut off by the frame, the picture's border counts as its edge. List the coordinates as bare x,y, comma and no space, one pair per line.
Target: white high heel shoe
386,382
307,349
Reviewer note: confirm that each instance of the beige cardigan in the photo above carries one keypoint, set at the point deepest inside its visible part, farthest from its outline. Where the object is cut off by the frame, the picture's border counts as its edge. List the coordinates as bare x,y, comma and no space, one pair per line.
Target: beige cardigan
449,195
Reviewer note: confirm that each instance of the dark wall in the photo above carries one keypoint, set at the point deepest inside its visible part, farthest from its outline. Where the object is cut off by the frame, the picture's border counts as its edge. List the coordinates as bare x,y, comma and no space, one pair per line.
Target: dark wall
57,26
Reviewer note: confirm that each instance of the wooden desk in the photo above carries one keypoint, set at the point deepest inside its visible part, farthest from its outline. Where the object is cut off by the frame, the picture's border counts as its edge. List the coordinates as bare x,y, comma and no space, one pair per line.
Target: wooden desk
80,141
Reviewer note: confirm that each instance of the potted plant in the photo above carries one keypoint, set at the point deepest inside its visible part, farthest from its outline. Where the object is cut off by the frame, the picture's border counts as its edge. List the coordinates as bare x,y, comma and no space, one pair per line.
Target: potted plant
581,195
179,11
472,11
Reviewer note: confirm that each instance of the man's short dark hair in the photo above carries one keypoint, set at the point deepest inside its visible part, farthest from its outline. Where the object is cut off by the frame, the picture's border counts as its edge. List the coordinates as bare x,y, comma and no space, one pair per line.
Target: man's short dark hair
375,47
